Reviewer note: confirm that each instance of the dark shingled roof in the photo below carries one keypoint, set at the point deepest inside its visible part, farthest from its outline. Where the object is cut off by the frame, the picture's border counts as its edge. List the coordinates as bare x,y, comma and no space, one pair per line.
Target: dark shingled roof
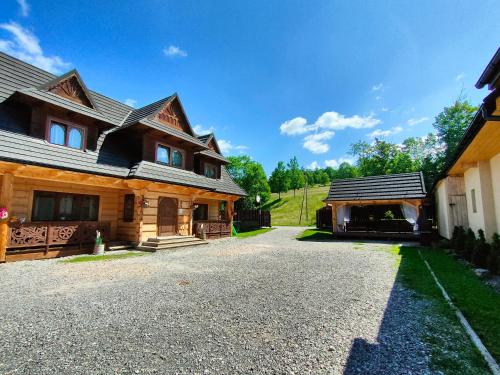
109,158
394,186
491,74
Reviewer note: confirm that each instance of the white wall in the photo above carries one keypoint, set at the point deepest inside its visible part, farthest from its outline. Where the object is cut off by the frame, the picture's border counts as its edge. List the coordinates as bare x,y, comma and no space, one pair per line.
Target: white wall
443,214
495,179
472,181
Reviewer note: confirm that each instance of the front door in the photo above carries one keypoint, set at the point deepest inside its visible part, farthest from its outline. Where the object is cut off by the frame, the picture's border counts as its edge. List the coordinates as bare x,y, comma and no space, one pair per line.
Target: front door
167,217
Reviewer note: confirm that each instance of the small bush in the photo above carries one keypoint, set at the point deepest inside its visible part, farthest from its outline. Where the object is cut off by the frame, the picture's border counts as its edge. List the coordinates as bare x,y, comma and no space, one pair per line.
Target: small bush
458,240
494,256
481,251
469,245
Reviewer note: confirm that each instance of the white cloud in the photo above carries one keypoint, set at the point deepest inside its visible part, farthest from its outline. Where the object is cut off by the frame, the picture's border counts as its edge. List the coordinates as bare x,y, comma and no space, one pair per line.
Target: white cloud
334,163
316,142
313,166
378,87
384,109
415,121
460,77
378,97
298,125
226,146
25,7
174,51
201,130
385,133
25,46
130,102
337,121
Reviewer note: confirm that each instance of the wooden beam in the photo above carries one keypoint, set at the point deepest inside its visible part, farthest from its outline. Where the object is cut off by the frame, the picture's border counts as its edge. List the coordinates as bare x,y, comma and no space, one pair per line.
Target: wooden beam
6,192
335,227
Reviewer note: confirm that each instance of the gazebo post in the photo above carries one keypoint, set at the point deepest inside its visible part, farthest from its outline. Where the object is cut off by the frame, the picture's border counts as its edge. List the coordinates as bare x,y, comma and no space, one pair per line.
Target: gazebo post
334,218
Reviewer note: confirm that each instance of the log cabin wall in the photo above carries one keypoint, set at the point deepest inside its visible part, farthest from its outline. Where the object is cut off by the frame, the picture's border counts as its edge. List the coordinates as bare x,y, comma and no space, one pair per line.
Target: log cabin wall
22,199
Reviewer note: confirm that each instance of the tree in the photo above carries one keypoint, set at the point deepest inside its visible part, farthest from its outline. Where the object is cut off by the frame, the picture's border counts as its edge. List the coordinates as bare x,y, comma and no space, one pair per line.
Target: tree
323,179
250,175
345,170
279,180
451,124
296,175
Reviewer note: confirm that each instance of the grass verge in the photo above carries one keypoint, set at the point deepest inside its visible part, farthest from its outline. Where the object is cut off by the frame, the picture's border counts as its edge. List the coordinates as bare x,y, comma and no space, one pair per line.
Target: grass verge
252,233
315,235
104,257
451,349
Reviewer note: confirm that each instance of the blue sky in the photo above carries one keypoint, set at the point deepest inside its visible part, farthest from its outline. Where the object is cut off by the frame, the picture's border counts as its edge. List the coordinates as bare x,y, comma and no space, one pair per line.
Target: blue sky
274,79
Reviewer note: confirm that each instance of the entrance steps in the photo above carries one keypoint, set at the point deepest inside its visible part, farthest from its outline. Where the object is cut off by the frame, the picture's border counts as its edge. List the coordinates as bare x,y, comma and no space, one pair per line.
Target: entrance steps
169,242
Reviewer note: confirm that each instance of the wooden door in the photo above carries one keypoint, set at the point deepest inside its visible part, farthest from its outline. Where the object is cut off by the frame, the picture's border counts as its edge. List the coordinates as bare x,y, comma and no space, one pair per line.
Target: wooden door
458,206
167,217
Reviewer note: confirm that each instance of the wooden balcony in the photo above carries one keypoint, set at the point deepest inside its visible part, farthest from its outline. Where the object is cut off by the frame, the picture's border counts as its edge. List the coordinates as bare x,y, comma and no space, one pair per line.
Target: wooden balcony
45,235
212,228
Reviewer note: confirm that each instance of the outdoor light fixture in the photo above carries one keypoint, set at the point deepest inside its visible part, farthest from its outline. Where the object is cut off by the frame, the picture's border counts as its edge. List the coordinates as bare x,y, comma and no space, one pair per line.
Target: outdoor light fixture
257,198
144,203
194,206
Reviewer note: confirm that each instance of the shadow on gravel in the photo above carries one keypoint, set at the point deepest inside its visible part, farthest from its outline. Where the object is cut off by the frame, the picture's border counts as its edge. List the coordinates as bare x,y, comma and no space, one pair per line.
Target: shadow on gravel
398,349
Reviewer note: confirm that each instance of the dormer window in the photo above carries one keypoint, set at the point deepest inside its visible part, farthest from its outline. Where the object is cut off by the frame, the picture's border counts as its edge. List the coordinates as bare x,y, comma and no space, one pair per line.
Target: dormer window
65,134
210,171
169,156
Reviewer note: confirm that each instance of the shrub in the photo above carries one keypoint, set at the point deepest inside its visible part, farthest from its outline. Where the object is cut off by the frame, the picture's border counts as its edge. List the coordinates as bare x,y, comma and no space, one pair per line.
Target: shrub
389,215
481,251
469,245
458,240
494,256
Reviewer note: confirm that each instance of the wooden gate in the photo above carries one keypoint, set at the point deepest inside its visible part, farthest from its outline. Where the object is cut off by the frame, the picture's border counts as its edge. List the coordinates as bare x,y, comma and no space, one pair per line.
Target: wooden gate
458,208
167,217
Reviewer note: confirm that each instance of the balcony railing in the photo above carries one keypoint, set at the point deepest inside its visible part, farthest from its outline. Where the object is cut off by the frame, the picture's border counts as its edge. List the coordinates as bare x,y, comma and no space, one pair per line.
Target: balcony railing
212,228
47,234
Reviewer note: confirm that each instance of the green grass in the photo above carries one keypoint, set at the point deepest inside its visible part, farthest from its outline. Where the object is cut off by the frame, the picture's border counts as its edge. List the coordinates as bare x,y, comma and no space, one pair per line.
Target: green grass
315,235
286,211
252,233
452,350
105,257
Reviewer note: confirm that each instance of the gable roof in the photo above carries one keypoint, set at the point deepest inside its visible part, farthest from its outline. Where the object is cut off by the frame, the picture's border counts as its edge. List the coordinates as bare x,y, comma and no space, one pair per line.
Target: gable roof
207,138
146,116
16,75
387,187
66,76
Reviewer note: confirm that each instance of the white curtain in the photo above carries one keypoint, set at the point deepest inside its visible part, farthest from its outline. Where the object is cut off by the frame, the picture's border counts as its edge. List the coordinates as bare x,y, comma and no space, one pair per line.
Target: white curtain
343,215
410,213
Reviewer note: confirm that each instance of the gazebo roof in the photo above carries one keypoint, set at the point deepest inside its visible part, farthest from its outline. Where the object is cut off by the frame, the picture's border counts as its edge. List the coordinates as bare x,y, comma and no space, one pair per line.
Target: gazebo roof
387,187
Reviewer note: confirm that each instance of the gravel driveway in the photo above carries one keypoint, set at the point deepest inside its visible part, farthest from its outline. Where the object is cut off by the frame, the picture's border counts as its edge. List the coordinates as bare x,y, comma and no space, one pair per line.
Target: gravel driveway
266,304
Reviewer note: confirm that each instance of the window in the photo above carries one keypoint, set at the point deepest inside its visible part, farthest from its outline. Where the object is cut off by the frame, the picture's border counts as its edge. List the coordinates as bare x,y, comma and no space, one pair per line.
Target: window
163,154
128,208
201,212
177,158
169,156
51,206
222,210
66,135
473,200
210,171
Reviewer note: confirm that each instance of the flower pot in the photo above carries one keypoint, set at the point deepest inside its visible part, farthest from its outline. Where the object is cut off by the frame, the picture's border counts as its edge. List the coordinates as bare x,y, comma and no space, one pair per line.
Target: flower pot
99,249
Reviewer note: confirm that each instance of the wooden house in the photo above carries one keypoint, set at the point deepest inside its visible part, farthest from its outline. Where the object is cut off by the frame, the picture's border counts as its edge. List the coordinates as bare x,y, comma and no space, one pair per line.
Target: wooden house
468,192
378,206
73,161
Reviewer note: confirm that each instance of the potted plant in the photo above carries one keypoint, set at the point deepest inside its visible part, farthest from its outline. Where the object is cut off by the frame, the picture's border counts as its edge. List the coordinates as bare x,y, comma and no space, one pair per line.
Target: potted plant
99,245
4,214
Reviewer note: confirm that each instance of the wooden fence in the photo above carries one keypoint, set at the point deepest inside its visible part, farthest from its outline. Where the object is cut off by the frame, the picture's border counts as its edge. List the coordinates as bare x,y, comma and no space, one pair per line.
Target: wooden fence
324,218
248,219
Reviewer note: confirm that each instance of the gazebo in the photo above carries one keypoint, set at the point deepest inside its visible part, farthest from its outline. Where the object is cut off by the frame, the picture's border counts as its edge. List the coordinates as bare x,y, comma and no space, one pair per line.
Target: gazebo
388,206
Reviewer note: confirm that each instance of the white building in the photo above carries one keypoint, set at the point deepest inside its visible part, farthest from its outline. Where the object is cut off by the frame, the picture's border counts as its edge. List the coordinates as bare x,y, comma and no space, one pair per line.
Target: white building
468,195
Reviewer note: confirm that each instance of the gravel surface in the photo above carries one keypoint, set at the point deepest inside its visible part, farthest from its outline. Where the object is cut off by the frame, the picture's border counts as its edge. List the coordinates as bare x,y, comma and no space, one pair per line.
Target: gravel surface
266,304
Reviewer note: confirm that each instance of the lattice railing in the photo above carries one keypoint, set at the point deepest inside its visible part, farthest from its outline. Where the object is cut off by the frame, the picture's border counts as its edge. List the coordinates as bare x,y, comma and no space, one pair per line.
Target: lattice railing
212,228
46,234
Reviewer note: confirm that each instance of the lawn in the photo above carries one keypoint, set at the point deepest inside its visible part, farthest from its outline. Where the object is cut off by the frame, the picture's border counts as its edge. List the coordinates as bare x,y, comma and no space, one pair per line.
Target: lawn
479,303
252,233
286,211
315,235
104,257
